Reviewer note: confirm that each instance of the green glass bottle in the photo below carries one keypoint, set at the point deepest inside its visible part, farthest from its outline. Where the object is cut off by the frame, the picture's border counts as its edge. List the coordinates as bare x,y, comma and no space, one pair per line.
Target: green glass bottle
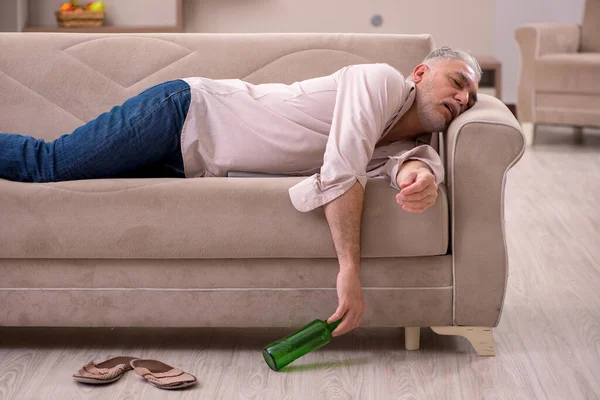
314,335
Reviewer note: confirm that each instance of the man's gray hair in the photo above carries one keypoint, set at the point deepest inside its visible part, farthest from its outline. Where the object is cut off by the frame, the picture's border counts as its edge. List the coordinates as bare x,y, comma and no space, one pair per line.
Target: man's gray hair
446,53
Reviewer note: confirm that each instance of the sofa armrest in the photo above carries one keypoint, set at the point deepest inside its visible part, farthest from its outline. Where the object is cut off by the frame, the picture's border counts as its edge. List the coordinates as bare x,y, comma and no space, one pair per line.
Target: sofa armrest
535,41
480,147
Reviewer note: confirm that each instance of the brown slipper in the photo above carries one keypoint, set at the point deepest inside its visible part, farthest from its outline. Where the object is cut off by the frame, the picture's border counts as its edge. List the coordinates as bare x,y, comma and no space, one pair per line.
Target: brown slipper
161,375
105,372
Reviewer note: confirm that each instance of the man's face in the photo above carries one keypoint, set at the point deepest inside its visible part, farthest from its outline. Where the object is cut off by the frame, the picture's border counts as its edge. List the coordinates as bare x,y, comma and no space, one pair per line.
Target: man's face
445,89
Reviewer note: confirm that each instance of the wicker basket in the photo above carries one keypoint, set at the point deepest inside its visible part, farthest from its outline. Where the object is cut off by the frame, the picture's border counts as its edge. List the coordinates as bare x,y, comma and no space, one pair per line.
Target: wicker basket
83,19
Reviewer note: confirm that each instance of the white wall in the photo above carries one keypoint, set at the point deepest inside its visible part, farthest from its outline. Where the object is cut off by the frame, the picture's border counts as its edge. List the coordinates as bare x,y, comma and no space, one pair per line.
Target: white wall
473,30
512,13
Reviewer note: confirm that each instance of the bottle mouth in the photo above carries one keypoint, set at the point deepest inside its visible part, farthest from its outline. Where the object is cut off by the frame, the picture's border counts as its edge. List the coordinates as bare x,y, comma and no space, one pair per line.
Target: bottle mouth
269,360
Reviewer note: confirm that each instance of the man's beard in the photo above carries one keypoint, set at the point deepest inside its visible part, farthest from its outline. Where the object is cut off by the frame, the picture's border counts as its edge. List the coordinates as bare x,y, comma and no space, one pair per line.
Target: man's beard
428,109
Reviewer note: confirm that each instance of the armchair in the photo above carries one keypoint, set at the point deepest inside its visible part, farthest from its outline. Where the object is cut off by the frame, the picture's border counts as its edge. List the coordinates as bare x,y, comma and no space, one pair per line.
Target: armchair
559,81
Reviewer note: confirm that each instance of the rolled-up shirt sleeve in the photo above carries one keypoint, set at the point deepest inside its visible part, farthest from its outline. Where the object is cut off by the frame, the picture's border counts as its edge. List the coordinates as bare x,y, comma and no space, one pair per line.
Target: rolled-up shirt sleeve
424,153
367,97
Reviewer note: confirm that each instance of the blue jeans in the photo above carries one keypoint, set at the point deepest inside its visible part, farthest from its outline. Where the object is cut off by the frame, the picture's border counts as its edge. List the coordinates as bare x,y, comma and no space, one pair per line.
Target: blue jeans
140,138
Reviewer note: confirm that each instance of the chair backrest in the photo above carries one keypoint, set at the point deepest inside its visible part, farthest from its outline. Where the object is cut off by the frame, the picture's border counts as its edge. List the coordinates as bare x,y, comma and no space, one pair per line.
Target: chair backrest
590,29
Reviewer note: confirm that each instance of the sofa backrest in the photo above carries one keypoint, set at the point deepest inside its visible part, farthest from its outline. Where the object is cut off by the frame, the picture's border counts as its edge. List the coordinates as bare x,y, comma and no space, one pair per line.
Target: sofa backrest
52,83
590,28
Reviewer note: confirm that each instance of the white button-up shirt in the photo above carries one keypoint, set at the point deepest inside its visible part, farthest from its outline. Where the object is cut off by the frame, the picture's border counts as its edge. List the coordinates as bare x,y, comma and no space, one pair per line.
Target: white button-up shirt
326,127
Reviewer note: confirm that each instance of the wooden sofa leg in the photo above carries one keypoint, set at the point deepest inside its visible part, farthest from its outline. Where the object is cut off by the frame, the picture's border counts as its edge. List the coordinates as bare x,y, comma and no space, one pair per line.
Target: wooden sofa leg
412,336
481,337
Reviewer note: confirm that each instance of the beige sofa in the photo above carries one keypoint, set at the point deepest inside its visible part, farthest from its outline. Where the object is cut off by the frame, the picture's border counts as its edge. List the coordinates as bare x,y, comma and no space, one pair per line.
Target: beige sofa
559,81
233,252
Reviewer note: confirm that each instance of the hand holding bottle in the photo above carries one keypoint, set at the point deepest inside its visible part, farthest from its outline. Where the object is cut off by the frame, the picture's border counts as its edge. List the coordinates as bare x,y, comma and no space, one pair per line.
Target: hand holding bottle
351,303
314,335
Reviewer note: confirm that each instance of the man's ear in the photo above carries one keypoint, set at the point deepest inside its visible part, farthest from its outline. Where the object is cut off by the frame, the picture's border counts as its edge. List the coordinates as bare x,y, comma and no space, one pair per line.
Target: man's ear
419,72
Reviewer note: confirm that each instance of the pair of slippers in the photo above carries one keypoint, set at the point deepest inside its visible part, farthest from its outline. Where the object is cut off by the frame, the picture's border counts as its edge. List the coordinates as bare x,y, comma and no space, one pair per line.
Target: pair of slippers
159,374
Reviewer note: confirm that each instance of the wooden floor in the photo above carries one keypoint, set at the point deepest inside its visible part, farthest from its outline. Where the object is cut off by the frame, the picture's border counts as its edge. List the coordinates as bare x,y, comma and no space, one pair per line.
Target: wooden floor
547,344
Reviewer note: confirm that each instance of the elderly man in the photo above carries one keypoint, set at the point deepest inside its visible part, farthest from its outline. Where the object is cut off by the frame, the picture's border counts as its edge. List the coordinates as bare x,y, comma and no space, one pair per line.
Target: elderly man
361,121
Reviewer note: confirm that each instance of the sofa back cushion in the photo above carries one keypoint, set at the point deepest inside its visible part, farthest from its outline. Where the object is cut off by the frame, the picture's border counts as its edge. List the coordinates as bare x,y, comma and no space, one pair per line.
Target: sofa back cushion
53,83
590,30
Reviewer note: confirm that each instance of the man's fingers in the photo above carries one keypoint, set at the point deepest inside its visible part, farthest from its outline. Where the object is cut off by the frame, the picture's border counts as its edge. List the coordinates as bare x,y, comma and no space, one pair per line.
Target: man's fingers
407,181
418,202
357,321
341,329
418,192
415,196
419,185
339,313
428,190
414,188
352,319
348,323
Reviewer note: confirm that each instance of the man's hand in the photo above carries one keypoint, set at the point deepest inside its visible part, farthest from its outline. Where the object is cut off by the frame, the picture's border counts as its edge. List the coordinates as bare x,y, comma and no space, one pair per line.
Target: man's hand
419,190
351,304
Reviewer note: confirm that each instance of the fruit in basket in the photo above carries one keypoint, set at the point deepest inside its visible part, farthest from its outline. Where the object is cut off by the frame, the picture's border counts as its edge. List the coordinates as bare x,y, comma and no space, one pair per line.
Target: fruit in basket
74,15
72,5
96,6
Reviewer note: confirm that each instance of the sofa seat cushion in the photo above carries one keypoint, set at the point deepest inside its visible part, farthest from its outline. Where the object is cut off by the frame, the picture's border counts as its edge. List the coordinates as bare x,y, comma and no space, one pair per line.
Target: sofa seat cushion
567,109
568,73
200,218
567,101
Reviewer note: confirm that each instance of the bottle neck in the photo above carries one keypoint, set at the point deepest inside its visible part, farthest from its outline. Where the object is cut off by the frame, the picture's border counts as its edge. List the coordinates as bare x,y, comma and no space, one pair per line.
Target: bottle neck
331,327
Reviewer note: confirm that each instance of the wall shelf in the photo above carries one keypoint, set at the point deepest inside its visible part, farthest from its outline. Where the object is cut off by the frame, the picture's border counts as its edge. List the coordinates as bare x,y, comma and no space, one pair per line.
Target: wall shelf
178,27
106,29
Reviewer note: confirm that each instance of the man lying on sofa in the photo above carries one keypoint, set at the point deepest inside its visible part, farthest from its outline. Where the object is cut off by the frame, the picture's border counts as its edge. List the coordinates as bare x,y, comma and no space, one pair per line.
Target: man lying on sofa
359,122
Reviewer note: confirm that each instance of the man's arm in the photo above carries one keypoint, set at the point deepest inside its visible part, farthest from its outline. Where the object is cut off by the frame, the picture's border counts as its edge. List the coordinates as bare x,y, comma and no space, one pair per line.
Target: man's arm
367,98
419,192
344,216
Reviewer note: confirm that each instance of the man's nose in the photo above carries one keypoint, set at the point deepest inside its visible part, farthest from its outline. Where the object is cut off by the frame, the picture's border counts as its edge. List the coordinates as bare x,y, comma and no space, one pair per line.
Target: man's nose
463,98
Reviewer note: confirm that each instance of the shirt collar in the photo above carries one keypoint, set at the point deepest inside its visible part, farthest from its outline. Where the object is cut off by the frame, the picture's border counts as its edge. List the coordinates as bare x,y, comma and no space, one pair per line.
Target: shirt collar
408,102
